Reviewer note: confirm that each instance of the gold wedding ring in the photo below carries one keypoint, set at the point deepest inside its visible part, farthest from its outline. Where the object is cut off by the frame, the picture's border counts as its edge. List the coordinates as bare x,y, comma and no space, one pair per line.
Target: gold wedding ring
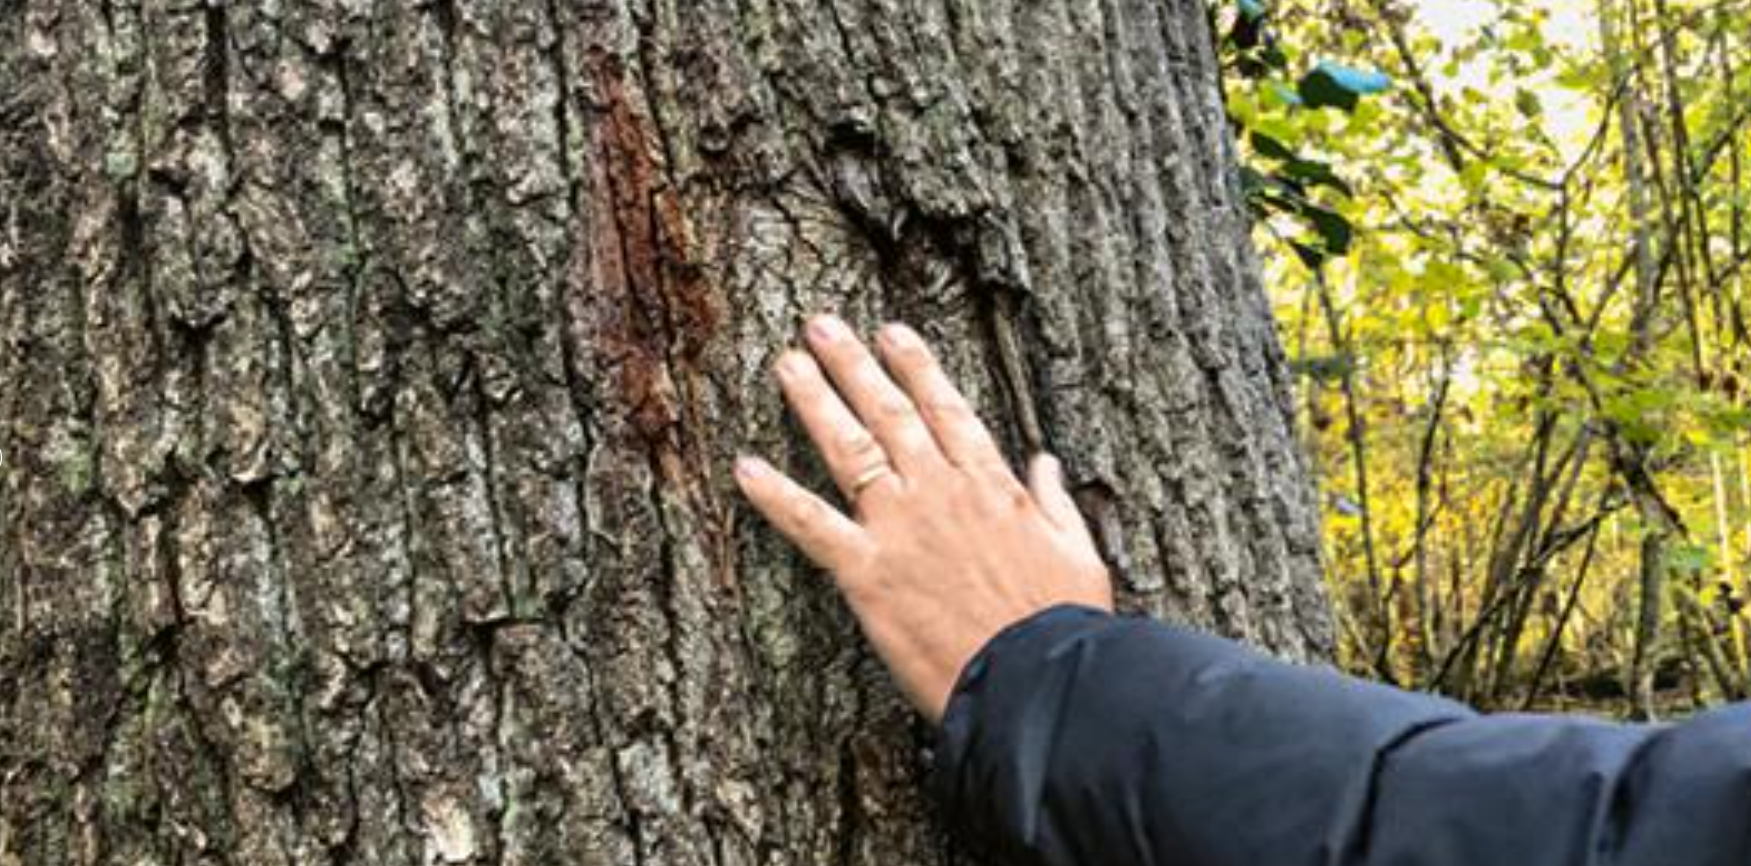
869,476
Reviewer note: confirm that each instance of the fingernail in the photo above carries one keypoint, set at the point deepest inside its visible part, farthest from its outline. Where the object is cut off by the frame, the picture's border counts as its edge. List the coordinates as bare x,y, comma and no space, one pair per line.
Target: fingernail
750,467
1053,466
787,365
899,336
826,328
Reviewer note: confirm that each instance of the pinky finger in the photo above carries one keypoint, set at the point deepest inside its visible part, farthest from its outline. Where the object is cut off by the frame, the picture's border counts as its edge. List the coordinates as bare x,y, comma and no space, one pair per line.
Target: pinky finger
824,534
1046,480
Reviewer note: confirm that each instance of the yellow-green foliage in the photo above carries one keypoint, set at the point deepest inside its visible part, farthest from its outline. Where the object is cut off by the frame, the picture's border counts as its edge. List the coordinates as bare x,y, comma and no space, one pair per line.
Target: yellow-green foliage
1533,353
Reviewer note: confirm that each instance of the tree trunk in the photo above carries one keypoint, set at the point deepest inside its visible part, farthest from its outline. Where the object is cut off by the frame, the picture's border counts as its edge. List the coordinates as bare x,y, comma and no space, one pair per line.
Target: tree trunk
370,373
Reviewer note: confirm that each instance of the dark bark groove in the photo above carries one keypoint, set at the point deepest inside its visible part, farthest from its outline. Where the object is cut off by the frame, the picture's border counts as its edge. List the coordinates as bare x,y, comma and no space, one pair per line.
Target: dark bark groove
369,375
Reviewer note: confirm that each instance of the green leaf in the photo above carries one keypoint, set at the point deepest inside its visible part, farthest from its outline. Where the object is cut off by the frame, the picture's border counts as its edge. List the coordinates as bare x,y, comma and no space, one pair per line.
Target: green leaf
1315,173
1689,558
1269,146
1247,38
1473,177
1526,102
1334,230
1285,94
1297,172
1308,255
1340,86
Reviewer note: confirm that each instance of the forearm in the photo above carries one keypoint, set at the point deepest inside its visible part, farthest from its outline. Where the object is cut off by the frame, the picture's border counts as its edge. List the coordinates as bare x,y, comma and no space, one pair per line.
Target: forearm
1079,737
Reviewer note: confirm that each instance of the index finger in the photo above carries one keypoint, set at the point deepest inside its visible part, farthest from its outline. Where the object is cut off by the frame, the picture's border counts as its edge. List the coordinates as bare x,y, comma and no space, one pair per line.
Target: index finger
829,538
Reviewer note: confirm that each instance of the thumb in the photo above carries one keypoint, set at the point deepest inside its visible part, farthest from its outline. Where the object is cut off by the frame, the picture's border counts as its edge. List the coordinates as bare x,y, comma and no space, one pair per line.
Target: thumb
1046,482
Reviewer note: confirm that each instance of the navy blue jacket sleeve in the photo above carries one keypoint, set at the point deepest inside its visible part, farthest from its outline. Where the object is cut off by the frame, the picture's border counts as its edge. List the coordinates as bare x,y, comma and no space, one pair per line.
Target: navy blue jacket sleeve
1081,737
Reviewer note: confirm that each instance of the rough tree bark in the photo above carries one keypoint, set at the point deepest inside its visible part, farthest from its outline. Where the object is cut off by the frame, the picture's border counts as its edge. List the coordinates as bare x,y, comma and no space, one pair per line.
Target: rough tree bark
369,374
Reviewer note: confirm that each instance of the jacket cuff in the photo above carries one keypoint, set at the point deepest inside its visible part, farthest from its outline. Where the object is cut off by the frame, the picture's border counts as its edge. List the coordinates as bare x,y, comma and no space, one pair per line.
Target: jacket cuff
1006,669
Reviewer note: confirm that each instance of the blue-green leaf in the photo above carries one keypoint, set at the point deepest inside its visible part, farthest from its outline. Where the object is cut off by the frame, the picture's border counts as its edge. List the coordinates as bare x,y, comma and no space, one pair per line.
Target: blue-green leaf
1338,85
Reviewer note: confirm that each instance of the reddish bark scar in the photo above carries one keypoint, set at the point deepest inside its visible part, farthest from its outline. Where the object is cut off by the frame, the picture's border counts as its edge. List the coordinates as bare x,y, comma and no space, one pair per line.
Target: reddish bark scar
648,309
656,309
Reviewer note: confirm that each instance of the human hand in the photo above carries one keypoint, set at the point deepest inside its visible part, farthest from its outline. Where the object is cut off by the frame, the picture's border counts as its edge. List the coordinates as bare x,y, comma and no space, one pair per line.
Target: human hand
947,547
